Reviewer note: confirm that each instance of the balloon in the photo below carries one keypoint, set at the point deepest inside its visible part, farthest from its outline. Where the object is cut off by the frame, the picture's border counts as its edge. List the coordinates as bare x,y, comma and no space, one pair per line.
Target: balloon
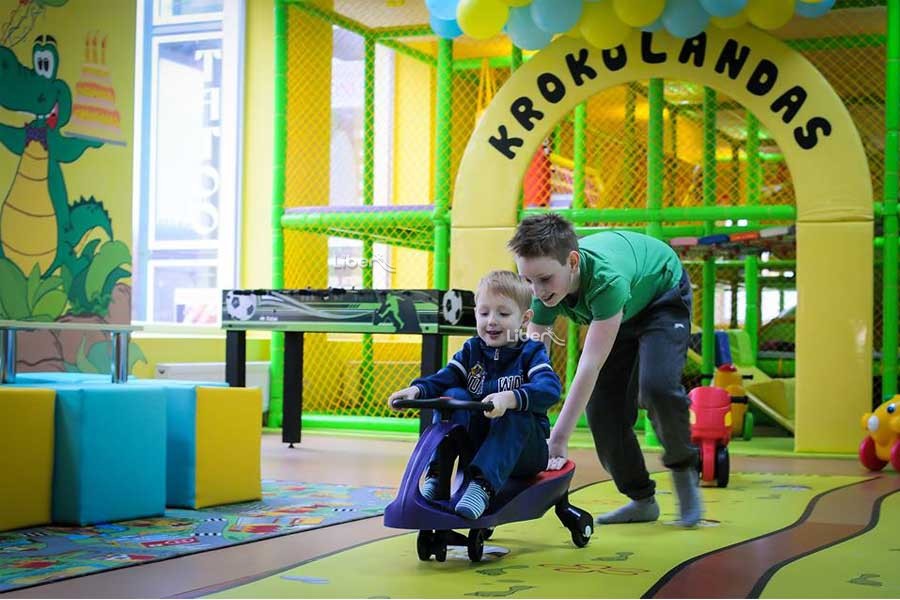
639,13
601,27
556,16
512,3
654,26
481,19
813,11
445,29
685,18
523,32
723,8
444,10
730,22
770,14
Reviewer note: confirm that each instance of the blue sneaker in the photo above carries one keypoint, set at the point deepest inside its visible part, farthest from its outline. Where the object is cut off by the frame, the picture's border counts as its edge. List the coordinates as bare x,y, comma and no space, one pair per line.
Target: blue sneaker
474,500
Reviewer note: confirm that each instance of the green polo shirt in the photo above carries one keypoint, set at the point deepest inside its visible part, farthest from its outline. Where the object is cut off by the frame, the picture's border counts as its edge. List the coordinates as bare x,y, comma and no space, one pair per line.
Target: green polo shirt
620,270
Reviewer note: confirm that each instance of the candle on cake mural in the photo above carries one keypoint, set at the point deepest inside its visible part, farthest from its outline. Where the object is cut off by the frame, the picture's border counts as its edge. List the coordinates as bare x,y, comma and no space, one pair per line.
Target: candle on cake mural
94,113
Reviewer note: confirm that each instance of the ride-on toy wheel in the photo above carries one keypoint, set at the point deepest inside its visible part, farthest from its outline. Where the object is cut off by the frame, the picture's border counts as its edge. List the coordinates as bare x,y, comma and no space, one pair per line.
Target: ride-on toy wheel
867,455
747,432
722,466
476,544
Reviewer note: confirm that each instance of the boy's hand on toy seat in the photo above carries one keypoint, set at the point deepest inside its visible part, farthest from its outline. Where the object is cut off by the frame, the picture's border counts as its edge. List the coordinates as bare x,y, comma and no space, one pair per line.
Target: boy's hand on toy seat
558,448
503,401
410,393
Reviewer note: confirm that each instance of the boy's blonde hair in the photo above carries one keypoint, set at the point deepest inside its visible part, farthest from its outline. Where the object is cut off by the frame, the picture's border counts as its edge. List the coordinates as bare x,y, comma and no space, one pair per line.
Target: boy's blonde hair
508,285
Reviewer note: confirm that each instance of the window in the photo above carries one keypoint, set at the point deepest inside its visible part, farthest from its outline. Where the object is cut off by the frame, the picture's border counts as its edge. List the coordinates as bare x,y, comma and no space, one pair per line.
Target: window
187,158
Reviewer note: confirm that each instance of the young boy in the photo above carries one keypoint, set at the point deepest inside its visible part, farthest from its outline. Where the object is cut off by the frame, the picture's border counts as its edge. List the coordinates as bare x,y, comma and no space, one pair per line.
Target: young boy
634,294
514,373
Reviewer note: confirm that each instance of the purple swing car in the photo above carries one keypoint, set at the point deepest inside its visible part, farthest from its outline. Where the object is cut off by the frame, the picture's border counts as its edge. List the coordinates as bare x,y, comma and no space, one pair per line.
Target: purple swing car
519,500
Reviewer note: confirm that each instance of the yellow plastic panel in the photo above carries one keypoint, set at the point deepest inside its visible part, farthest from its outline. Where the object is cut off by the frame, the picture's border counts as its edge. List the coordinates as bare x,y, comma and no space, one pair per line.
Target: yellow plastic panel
475,251
26,456
229,432
834,335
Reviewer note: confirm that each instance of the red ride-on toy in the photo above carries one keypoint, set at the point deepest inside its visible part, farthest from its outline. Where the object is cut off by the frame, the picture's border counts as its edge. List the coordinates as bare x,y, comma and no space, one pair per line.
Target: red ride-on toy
711,432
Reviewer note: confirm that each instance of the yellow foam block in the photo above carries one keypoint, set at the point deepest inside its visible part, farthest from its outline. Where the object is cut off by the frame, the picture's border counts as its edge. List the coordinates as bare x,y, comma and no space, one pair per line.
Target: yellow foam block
229,434
26,456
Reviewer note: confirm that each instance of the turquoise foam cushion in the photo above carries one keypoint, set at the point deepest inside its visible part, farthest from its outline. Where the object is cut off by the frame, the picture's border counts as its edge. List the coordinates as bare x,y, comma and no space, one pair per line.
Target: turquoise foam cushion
110,453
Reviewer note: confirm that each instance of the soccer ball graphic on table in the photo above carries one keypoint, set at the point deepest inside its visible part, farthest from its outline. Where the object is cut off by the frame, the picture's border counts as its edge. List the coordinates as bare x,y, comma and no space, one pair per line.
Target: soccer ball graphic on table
240,306
452,306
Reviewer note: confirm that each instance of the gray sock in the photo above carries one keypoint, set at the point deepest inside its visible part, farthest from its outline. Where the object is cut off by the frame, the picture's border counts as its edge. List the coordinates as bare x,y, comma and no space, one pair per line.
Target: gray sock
636,511
689,501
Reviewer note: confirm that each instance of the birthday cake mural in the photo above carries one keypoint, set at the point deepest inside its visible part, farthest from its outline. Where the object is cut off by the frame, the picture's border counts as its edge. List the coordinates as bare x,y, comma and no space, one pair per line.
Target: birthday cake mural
94,114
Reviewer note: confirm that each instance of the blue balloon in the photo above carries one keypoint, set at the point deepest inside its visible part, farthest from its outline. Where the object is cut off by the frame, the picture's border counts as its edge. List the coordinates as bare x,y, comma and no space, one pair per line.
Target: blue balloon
448,28
685,18
523,32
556,16
813,11
444,10
654,26
723,8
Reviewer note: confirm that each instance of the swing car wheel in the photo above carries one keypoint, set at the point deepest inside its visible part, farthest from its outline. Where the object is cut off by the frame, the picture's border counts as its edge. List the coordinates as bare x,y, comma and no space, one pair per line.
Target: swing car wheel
423,545
476,544
582,530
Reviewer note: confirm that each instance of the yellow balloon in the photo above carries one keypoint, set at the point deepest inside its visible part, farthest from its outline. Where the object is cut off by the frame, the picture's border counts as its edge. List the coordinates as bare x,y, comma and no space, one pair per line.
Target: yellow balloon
481,19
769,14
601,27
516,2
732,22
638,13
575,32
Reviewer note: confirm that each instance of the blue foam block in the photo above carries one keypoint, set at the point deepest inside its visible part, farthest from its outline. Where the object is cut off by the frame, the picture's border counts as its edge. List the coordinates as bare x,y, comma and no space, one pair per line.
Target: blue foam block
110,453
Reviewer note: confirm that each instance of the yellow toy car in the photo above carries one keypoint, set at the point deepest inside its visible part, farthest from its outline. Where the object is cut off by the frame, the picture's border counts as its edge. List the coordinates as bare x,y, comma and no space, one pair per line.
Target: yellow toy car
882,445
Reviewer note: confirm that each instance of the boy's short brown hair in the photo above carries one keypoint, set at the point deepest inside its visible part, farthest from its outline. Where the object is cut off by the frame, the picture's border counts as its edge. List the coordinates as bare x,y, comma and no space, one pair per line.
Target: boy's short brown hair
506,284
544,235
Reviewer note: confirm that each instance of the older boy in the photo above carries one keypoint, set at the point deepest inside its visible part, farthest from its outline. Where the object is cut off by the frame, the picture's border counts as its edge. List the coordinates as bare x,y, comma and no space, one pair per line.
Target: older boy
634,294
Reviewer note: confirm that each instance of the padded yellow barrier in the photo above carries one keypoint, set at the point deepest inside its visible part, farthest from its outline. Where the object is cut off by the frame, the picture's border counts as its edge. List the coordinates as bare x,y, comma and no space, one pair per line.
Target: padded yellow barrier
229,432
26,456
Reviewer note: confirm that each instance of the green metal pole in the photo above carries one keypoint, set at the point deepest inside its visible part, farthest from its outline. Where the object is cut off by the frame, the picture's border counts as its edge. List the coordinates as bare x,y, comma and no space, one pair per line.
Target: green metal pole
279,153
708,345
891,181
367,364
751,263
442,141
672,172
655,165
672,213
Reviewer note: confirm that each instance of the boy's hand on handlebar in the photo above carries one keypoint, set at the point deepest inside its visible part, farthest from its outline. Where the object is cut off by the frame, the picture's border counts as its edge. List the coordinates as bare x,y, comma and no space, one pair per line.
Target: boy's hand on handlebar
558,450
410,393
503,401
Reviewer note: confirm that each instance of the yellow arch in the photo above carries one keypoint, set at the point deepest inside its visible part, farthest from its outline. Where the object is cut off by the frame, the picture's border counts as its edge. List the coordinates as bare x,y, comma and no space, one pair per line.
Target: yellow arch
820,144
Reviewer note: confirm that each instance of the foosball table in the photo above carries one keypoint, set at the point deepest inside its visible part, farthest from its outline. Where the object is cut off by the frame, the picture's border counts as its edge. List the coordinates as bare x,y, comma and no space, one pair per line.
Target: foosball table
433,314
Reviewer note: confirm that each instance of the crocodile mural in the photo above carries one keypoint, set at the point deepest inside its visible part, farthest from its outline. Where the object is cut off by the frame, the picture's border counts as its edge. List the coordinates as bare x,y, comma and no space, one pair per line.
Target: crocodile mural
59,259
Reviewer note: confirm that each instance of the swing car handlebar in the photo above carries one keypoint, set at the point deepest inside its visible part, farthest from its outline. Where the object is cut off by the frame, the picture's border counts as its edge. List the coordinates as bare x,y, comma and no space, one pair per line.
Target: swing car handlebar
443,404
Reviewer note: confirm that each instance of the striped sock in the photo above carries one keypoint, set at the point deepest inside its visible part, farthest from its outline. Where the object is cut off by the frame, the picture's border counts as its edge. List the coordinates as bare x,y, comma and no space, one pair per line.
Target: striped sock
430,487
474,501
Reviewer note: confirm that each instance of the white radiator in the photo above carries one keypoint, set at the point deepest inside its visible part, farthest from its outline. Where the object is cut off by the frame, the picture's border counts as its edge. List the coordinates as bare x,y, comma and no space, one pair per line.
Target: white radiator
257,374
